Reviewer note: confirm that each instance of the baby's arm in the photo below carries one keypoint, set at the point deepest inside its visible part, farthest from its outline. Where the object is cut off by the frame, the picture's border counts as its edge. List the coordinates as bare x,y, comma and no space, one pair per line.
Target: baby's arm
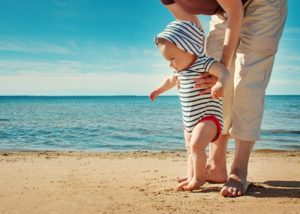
168,83
219,70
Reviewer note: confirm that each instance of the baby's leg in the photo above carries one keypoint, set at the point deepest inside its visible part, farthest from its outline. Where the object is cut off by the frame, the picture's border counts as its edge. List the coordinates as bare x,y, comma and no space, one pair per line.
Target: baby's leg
190,173
184,181
202,135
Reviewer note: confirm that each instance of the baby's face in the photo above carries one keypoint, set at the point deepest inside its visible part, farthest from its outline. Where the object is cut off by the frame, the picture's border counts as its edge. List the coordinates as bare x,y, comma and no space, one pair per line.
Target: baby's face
179,59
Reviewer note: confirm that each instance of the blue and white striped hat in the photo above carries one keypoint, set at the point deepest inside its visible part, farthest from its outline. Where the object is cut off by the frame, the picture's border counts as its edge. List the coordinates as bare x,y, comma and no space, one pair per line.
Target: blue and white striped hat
186,35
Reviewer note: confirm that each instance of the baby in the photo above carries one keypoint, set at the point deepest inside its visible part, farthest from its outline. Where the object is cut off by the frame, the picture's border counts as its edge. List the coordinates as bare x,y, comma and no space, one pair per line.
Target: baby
181,44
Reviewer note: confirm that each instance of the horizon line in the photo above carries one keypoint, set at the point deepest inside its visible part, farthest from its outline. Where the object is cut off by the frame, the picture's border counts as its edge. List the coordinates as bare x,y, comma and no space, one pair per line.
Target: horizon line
124,95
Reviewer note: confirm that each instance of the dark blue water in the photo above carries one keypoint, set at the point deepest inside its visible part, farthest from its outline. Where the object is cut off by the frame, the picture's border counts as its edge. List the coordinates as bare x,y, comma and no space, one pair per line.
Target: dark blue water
120,123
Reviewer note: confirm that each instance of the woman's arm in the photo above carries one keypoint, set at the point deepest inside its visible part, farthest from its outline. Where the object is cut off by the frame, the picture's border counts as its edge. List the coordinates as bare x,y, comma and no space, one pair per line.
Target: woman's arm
179,13
235,12
219,70
167,84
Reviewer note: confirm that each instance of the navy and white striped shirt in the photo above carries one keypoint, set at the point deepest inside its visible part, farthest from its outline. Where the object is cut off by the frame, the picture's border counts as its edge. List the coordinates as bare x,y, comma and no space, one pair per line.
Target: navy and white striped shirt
195,106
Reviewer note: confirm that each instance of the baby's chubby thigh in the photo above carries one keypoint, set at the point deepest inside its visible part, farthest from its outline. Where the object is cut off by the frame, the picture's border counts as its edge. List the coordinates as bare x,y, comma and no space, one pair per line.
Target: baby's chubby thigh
203,133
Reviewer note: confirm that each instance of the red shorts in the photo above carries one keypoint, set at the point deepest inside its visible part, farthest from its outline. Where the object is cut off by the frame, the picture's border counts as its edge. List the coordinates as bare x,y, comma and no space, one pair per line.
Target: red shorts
217,122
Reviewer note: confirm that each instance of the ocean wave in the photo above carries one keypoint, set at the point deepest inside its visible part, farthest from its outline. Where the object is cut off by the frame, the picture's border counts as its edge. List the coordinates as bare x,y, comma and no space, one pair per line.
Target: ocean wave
292,147
280,131
4,120
283,140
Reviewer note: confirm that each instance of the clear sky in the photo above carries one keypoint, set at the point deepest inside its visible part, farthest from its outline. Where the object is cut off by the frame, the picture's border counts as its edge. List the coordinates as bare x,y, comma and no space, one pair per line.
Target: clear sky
97,47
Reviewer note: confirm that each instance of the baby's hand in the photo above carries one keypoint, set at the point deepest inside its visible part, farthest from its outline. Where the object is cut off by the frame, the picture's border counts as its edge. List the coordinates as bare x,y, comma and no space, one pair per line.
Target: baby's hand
217,90
153,95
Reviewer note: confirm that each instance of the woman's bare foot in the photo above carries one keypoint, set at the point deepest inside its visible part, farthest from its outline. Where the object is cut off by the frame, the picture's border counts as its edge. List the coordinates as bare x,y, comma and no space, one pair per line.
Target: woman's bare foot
194,184
235,186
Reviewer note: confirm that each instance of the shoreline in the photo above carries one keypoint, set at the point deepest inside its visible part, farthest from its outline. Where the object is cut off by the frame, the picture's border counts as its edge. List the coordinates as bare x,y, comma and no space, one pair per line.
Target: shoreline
139,182
15,151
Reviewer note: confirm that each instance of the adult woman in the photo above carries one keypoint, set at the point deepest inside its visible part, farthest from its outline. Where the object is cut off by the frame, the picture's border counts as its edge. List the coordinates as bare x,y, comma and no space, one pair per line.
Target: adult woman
244,36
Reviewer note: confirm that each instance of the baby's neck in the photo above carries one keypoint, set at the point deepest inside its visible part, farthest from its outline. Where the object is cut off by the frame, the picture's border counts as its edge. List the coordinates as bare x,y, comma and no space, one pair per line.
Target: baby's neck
193,60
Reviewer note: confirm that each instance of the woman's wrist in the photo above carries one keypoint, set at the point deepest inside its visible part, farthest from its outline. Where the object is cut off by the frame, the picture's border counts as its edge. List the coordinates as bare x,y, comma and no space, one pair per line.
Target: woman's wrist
226,61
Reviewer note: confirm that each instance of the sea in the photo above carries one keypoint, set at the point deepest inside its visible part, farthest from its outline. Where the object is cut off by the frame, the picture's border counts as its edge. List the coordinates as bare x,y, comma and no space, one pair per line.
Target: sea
123,123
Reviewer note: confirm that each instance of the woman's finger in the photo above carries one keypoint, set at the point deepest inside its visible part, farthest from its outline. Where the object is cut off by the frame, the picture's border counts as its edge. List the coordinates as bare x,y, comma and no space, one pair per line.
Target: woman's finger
203,85
202,77
204,74
210,79
205,91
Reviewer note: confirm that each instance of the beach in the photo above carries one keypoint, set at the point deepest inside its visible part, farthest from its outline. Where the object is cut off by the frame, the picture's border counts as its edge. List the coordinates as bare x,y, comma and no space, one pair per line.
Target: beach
139,182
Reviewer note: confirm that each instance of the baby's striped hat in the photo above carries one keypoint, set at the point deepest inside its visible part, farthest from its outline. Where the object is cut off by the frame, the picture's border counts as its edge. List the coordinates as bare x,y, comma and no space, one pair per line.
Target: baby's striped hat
186,35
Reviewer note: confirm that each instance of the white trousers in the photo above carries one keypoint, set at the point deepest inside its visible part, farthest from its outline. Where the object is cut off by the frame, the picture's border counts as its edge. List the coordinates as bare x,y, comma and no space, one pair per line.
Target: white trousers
251,68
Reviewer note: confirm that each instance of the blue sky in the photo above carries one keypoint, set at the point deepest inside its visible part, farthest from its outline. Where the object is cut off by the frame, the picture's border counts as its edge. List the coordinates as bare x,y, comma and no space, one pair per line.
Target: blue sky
96,47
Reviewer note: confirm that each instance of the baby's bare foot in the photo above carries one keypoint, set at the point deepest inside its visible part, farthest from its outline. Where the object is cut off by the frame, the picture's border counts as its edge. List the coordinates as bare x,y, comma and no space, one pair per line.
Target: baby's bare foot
179,179
235,186
215,173
194,184
182,184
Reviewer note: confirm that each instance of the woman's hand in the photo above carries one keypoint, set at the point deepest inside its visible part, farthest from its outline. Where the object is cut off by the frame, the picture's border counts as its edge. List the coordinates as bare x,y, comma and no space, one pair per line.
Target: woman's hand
217,91
205,81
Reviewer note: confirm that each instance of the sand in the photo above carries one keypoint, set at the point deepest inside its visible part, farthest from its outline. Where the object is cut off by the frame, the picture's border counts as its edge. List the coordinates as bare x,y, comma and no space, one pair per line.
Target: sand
138,182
